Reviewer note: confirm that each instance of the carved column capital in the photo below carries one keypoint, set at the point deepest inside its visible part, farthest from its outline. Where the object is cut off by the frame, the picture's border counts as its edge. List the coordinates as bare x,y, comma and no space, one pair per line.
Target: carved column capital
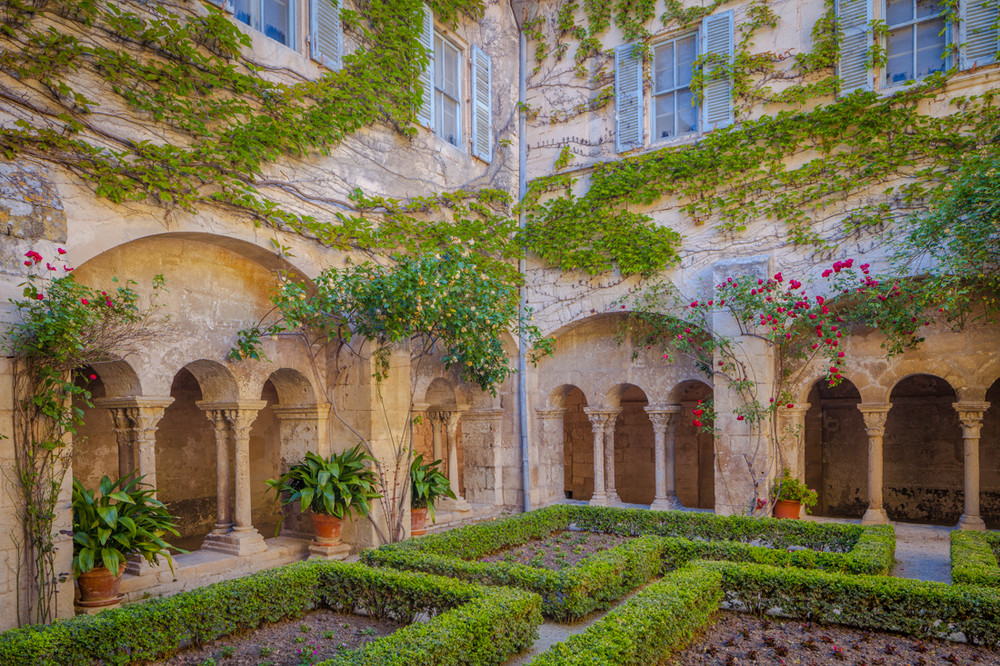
601,418
554,413
662,416
971,416
874,415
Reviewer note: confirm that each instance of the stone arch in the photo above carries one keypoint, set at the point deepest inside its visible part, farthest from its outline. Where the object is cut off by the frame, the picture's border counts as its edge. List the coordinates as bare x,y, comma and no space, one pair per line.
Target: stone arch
923,454
989,459
118,378
694,450
632,446
291,388
577,442
836,449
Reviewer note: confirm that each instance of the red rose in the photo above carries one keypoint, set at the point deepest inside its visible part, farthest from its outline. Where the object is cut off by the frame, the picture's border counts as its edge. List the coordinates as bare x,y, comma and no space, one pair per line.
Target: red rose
85,301
696,423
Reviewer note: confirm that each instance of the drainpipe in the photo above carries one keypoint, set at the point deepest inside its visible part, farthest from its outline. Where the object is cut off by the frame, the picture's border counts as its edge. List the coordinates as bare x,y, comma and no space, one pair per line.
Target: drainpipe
522,190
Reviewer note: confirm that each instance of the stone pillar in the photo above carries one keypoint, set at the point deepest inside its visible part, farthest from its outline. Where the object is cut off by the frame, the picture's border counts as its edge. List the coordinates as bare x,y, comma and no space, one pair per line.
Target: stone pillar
449,423
791,435
148,413
664,424
123,421
609,458
875,415
971,416
599,421
552,439
223,492
482,447
438,420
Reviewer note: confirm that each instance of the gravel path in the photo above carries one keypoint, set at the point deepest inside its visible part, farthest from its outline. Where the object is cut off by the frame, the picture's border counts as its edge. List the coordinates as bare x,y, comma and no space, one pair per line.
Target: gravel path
923,552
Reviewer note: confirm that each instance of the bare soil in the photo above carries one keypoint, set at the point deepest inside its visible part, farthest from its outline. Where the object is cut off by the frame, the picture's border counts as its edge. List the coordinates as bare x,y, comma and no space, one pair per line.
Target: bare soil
738,638
558,551
312,638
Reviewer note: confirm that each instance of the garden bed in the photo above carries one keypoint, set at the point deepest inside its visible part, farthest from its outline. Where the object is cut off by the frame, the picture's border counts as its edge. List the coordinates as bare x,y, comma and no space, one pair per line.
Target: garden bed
558,551
315,637
739,638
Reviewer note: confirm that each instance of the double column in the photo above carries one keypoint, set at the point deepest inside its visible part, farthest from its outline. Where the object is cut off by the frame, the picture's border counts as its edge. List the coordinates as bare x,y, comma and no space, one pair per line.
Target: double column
875,415
444,426
664,419
971,416
134,421
234,532
603,423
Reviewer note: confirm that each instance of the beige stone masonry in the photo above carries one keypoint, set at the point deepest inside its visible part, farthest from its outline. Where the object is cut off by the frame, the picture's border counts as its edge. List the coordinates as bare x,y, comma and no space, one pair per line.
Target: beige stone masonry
875,415
971,415
664,419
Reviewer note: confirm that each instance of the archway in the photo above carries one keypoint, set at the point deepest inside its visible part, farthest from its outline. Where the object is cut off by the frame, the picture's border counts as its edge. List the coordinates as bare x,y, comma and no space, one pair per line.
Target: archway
635,467
265,463
578,446
989,460
836,450
694,449
923,453
441,428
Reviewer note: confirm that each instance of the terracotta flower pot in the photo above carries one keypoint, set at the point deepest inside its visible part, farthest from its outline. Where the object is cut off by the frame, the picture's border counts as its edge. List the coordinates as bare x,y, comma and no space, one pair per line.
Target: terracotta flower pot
418,521
99,587
327,527
786,509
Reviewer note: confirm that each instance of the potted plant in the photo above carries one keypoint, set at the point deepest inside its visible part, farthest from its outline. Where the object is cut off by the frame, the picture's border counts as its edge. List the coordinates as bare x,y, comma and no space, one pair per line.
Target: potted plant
427,485
790,494
331,489
121,519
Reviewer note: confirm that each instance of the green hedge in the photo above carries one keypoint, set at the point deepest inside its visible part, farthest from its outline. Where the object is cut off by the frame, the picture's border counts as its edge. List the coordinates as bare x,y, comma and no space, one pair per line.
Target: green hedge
646,629
161,627
593,584
868,602
973,558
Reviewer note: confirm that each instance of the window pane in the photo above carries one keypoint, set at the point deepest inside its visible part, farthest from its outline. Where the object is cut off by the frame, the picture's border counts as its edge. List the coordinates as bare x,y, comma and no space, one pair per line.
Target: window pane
687,53
687,113
927,8
241,10
930,47
438,62
450,70
449,120
898,11
900,51
665,117
664,64
438,106
277,23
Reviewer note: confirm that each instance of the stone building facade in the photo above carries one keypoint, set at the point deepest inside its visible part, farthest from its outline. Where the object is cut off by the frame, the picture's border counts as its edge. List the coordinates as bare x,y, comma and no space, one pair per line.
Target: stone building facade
911,438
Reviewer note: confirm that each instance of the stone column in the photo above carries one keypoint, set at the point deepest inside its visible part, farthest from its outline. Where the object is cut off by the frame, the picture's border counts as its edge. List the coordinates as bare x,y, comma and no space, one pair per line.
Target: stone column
449,423
609,458
223,492
123,421
552,439
438,420
875,415
241,418
971,416
148,412
599,421
664,423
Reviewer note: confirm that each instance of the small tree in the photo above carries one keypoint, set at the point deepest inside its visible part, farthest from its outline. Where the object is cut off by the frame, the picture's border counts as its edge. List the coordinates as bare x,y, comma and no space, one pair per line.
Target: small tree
455,303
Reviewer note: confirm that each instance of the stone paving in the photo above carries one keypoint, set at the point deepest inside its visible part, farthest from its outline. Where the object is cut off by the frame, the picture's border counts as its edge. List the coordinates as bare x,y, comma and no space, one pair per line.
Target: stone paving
923,552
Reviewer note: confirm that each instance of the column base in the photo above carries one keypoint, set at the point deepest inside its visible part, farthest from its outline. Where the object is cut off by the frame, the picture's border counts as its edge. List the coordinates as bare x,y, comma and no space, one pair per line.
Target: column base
328,550
239,541
613,497
875,517
975,523
459,504
600,500
668,503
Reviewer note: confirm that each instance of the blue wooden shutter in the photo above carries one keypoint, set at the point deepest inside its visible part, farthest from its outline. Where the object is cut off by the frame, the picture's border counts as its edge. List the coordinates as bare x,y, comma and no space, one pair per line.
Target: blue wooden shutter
482,105
717,46
854,18
425,116
628,98
325,33
979,33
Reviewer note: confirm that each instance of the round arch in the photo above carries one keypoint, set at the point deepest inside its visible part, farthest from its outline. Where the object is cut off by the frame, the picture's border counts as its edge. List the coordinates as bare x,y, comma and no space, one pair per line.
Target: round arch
836,449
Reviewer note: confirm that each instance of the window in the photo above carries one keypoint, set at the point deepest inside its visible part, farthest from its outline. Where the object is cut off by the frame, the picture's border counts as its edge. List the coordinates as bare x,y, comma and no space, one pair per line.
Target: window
675,112
447,91
274,18
918,37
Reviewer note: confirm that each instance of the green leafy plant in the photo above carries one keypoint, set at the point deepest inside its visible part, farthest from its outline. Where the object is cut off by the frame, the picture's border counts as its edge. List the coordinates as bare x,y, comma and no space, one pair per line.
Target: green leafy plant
121,518
791,489
339,485
428,485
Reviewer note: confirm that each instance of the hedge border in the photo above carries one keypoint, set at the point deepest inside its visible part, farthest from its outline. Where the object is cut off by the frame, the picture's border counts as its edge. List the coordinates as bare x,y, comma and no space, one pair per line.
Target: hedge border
471,624
649,627
973,558
597,582
900,605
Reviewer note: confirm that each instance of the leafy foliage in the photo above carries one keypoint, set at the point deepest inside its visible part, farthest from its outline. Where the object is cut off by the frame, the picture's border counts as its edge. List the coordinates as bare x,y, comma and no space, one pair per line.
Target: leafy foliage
791,489
974,559
121,518
339,485
427,484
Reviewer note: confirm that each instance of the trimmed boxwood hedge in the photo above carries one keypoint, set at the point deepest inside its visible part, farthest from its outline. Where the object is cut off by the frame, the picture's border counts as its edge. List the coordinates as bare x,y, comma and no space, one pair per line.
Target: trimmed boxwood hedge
973,558
647,628
472,624
671,538
880,603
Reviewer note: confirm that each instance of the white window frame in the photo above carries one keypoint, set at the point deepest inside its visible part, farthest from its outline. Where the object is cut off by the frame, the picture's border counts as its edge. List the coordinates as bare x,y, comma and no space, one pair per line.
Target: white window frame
257,17
886,84
654,93
438,111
